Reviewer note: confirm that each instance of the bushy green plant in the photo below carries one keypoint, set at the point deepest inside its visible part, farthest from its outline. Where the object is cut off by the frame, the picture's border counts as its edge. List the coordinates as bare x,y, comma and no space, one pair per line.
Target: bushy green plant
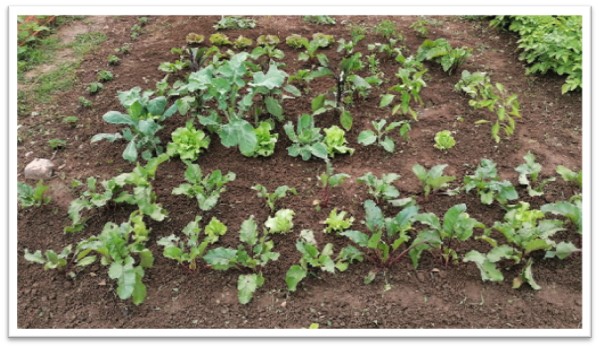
569,175
337,222
187,143
268,40
335,141
328,180
105,76
296,41
242,42
572,210
529,175
205,189
440,51
234,22
307,141
321,20
382,188
94,87
281,222
113,60
194,38
219,39
411,76
56,144
266,140
32,196
380,134
444,140
433,179
487,183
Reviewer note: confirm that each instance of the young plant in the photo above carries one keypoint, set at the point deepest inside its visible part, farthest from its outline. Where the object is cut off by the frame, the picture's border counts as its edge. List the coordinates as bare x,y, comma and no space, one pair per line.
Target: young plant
253,253
386,242
105,76
529,175
441,52
380,134
282,222
50,259
307,141
484,95
457,226
206,190
420,26
433,179
113,60
311,53
320,20
242,42
192,248
268,40
487,183
382,188
187,143
569,175
84,102
335,141
336,222
272,198
313,258
71,121
296,41
172,67
220,39
32,196
572,210
387,29
525,231
411,76
142,120
266,140
194,39
329,180
234,22
444,140
125,49
56,144
94,87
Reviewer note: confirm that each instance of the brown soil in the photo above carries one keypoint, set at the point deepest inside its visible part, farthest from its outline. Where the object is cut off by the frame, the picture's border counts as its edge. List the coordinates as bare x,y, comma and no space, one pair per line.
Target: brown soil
431,297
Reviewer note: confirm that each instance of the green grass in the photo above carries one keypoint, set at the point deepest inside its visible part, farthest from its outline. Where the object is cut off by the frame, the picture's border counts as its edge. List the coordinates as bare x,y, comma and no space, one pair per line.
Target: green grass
85,43
59,80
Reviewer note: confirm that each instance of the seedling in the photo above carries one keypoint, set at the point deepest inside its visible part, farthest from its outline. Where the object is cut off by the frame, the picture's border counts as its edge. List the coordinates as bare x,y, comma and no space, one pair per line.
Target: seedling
329,180
380,134
529,176
206,190
266,140
50,259
569,175
187,143
307,141
71,120
433,179
420,26
313,258
335,141
411,77
105,76
387,29
125,49
444,140
441,52
56,144
113,60
84,102
94,87
382,188
272,198
336,222
32,196
486,182
281,222
220,39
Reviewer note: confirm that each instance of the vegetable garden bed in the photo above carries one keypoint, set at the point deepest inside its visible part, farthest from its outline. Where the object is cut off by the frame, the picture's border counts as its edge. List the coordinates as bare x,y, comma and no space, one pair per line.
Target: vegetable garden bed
447,214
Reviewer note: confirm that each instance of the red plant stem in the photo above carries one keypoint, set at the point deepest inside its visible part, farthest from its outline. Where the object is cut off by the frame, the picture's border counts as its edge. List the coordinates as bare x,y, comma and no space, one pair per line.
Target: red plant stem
396,259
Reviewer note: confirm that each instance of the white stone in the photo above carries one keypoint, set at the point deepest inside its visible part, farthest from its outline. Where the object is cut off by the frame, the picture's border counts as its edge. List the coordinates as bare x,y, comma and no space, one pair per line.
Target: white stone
39,168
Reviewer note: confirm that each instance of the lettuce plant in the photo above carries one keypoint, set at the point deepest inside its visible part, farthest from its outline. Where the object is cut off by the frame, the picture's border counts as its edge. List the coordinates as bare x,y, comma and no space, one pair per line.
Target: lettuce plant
487,183
272,198
266,140
219,39
336,222
187,143
281,222
205,189
296,41
335,141
242,42
433,179
444,140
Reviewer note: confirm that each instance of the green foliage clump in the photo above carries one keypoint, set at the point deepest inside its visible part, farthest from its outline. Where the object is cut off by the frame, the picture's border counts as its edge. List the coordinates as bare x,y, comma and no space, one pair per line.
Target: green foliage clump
234,22
321,20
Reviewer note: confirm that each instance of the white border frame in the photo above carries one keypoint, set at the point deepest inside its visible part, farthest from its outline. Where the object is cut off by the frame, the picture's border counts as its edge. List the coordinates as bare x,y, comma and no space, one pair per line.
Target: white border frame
584,11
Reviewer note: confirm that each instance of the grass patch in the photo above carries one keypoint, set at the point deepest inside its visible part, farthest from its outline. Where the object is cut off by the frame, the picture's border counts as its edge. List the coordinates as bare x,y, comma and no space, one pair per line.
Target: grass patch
59,80
85,43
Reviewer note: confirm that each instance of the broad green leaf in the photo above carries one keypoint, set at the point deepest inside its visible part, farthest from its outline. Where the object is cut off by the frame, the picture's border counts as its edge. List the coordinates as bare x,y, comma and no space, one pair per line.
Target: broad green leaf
488,270
562,250
274,78
111,137
115,117
273,107
366,137
294,275
388,144
130,153
346,120
239,132
249,231
318,102
247,284
386,99
220,258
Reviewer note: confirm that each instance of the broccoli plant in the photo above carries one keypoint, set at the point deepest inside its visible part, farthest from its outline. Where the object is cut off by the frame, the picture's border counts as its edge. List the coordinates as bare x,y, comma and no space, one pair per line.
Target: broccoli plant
307,141
313,258
253,253
387,240
484,95
486,182
142,120
411,76
281,222
272,198
457,226
529,175
328,179
433,179
525,231
380,134
444,140
572,210
32,196
441,52
569,175
187,143
335,141
207,189
336,222
192,248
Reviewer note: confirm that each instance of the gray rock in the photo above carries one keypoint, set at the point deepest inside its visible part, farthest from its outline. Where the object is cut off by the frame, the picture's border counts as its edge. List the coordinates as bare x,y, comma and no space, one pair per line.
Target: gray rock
39,168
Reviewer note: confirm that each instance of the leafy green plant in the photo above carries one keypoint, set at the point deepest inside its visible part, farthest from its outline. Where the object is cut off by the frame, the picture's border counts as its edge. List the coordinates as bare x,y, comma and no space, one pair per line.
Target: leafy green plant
266,140
323,259
105,76
187,143
56,144
135,31
125,49
487,183
50,259
382,188
220,39
205,189
32,196
272,198
71,121
84,102
194,38
389,50
328,180
388,237
549,43
411,83
143,21
242,42
142,120
94,87
572,210
457,226
440,51
569,175
281,222
268,40
307,140
380,134
433,179
192,248
321,20
526,231
113,60
495,98
234,22
420,26
335,141
387,29
336,222
444,140
311,54
253,253
529,175
296,41
172,67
